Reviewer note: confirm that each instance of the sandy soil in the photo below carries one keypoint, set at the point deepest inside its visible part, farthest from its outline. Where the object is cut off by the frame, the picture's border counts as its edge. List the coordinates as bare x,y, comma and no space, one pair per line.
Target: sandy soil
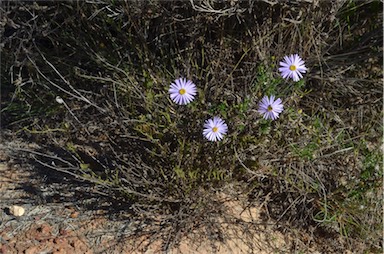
51,226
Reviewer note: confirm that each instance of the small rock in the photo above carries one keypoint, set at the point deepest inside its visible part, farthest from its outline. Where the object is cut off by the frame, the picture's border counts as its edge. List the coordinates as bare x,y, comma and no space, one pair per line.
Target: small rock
16,210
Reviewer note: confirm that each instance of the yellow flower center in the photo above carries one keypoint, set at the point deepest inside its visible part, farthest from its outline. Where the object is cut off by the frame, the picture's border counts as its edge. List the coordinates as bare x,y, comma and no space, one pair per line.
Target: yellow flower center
182,91
292,67
270,108
215,129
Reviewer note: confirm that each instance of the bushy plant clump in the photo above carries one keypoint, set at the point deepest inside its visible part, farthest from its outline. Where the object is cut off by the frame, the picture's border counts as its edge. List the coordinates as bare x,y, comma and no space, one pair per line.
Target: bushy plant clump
163,106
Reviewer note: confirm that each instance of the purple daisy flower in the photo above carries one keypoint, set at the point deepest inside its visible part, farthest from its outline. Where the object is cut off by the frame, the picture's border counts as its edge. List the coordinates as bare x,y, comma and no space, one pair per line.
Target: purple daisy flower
292,67
182,91
270,108
215,129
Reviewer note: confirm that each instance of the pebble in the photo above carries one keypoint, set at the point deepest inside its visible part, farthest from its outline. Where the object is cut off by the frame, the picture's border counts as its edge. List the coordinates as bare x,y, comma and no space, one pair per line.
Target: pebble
16,210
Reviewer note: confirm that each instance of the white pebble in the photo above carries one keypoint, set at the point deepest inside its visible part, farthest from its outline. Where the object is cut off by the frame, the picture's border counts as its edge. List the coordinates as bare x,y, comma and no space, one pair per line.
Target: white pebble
16,210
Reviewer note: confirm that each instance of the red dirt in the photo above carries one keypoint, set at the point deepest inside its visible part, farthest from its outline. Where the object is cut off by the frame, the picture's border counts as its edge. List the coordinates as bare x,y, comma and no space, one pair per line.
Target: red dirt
65,228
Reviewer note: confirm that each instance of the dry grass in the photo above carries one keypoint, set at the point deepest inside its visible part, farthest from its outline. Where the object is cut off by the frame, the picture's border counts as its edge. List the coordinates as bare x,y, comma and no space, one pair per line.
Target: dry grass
318,168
